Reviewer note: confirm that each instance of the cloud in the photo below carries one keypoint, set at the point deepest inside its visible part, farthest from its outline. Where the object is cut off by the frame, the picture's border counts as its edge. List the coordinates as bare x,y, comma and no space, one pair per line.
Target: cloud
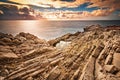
102,7
114,4
102,12
77,15
62,3
15,12
99,12
95,13
12,2
50,3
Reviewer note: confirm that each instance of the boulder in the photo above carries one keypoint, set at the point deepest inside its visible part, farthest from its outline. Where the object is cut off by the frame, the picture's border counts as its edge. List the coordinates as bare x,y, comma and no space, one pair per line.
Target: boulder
54,74
110,68
88,71
116,60
1,78
92,27
26,35
109,59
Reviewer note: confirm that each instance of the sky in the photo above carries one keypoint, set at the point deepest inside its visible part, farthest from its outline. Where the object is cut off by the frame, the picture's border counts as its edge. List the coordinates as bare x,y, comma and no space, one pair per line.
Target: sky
66,9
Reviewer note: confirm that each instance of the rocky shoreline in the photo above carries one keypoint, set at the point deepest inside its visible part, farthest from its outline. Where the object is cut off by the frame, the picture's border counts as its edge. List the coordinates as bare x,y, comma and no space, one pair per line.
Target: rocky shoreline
90,55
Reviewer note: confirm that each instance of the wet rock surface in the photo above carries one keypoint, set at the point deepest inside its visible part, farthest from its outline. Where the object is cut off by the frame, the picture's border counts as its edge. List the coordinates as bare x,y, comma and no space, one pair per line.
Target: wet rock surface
91,55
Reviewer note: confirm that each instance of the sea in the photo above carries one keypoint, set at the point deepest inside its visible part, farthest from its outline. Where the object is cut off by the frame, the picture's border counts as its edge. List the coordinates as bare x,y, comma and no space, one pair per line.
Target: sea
50,29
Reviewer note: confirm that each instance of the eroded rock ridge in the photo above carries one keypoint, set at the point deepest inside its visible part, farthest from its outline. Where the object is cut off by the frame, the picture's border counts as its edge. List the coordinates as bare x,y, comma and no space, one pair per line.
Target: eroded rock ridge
91,55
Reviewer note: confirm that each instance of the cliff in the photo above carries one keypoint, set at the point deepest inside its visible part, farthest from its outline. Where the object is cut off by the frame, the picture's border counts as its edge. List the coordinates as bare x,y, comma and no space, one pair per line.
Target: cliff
91,55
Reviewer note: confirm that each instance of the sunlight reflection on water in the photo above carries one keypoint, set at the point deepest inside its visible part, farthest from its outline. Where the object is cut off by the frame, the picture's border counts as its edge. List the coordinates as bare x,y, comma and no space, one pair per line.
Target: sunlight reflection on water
42,29
46,29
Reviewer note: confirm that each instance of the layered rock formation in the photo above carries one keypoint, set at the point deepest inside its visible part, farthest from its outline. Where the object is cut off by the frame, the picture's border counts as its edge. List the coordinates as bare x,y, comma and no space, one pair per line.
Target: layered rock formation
91,55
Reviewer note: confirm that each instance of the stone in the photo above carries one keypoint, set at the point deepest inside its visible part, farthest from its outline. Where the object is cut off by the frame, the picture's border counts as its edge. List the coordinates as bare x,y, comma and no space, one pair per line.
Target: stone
89,56
116,60
88,71
7,55
92,27
29,78
6,39
2,78
109,59
110,68
53,74
118,50
97,51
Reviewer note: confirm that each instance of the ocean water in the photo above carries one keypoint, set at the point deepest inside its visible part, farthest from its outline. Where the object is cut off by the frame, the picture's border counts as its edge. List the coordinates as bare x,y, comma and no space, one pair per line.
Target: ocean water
48,29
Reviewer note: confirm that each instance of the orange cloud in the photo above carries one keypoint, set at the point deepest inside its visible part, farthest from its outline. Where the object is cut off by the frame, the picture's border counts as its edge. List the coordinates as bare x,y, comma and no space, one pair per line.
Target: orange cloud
101,12
51,3
25,1
59,3
77,15
106,7
113,4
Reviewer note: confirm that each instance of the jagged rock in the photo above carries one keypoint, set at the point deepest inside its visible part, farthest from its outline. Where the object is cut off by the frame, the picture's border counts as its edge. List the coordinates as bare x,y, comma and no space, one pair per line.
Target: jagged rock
88,71
6,39
53,74
67,38
109,59
118,50
110,68
97,51
116,60
29,78
91,55
2,35
26,35
57,40
99,75
1,78
114,27
92,27
7,55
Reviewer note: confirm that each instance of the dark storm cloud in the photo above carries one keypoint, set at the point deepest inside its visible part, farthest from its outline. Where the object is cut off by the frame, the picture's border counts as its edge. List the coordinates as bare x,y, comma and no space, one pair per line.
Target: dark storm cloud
13,12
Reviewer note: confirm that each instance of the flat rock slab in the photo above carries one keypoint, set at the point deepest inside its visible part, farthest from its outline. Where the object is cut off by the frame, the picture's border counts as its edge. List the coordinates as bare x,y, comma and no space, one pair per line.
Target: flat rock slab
8,55
116,60
110,68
